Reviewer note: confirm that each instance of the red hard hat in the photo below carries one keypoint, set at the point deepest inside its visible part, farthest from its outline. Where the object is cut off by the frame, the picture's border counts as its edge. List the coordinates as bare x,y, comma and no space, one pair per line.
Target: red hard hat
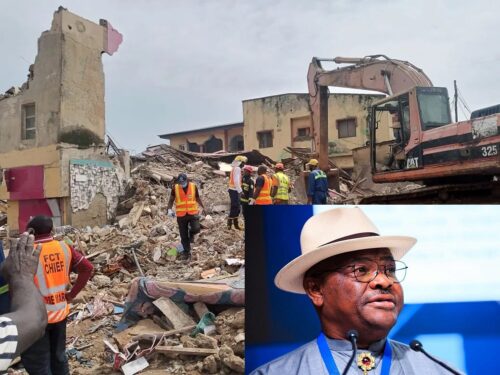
248,168
279,166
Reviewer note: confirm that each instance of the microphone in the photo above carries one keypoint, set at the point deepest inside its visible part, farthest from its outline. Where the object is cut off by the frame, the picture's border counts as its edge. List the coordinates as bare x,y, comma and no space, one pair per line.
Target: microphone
352,336
418,347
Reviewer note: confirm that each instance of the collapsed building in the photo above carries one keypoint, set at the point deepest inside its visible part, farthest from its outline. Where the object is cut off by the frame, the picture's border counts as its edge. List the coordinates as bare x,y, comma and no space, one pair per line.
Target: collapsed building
276,125
143,307
52,130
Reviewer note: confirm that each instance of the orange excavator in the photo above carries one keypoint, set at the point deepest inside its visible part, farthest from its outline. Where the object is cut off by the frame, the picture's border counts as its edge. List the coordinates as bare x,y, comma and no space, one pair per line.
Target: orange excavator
426,146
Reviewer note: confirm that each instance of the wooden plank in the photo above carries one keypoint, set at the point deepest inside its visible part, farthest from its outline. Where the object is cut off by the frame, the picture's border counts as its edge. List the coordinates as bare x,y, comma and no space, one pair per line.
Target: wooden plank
201,309
186,351
156,335
136,212
93,255
174,315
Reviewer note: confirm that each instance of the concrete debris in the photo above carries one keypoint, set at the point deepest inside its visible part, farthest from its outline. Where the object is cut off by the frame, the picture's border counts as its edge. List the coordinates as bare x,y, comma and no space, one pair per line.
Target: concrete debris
134,367
173,314
353,186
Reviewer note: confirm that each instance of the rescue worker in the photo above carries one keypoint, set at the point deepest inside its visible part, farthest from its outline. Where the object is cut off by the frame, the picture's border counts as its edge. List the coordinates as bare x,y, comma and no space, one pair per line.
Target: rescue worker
57,260
235,190
247,185
187,198
281,186
317,184
262,193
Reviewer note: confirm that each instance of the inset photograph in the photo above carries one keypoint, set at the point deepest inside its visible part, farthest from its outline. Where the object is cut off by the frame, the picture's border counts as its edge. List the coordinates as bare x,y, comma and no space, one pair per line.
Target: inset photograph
371,289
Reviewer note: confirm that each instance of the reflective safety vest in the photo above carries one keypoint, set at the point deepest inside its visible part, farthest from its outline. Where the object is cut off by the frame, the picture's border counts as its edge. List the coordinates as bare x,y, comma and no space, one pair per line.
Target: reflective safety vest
247,187
185,203
52,278
283,185
265,193
318,175
232,185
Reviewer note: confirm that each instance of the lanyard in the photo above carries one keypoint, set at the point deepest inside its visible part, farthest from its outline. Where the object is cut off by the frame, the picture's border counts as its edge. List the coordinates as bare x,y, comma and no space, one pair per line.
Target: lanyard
330,362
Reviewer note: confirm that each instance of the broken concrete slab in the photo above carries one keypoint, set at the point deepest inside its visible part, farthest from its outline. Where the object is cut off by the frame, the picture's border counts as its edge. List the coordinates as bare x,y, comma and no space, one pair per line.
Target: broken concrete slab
174,315
134,367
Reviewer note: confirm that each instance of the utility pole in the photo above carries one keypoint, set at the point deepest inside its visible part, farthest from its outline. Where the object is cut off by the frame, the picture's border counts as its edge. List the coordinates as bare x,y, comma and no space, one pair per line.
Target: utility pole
456,100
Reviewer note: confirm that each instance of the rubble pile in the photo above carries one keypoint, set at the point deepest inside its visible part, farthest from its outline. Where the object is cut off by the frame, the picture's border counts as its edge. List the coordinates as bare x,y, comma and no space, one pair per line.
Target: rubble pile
294,167
353,188
142,247
145,242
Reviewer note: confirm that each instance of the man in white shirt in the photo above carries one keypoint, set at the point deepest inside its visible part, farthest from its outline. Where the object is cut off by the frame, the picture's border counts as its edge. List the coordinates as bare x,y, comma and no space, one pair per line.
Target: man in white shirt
235,179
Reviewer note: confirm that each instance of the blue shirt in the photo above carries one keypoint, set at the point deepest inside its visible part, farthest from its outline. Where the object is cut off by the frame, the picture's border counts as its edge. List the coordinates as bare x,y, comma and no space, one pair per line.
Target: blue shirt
307,360
317,186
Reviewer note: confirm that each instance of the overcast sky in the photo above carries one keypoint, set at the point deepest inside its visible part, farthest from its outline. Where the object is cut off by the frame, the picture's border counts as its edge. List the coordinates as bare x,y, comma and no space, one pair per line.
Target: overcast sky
188,64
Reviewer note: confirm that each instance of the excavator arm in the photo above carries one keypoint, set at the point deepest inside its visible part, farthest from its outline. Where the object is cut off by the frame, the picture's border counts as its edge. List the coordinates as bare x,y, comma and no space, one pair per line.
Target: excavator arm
376,72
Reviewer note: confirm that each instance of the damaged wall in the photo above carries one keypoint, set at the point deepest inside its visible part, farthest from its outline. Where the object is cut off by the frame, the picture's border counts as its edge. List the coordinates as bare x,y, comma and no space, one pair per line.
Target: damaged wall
90,179
63,100
65,85
278,114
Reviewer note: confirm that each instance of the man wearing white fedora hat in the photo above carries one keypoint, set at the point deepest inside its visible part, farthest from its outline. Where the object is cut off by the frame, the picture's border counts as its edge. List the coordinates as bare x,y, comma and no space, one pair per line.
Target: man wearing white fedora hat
352,275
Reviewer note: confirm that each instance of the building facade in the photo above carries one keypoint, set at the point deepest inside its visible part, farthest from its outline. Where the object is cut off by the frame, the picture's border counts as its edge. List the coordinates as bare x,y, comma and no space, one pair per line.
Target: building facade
52,129
275,122
227,137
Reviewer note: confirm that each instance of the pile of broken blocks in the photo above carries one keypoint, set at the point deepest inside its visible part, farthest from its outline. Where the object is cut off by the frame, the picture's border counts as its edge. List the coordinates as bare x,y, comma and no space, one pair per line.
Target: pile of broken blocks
145,310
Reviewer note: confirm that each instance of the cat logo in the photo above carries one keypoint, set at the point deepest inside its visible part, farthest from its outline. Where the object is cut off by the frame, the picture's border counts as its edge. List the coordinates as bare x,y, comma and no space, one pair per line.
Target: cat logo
412,163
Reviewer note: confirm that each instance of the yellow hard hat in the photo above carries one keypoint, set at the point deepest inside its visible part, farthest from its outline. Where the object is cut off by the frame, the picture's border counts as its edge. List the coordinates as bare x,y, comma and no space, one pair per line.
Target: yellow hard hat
241,158
313,162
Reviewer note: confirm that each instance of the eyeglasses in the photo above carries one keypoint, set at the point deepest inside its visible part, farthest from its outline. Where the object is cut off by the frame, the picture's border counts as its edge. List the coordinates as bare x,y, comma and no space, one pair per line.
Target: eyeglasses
366,271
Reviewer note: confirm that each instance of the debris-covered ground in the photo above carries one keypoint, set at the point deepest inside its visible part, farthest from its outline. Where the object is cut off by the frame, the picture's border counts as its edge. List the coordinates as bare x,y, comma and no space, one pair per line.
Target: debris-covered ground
145,242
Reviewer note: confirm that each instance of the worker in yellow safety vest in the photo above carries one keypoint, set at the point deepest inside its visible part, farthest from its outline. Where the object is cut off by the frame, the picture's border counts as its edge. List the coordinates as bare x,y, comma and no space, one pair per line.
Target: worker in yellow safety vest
281,185
187,198
235,190
57,259
262,193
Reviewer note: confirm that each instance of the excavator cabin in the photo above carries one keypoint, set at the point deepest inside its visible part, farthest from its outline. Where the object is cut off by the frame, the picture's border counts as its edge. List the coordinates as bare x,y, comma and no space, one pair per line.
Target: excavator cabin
425,145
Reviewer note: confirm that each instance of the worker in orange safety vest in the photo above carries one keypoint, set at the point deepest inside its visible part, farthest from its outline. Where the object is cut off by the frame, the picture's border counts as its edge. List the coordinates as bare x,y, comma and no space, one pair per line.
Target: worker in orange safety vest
187,198
57,259
262,193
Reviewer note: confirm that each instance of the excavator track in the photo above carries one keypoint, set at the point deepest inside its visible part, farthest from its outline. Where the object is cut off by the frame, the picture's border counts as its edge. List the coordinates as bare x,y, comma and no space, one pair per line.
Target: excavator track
469,193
